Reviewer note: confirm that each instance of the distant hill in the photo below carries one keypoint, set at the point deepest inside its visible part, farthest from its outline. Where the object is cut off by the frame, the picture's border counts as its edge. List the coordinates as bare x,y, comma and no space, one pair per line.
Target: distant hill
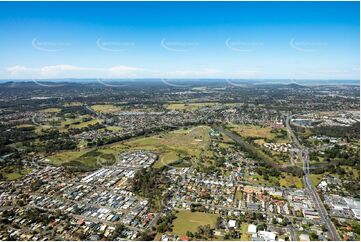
294,85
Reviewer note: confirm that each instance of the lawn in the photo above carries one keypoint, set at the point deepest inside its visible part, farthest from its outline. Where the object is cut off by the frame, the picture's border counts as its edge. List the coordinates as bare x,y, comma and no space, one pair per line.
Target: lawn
13,173
291,181
239,194
12,176
316,178
166,158
259,142
114,128
244,229
188,221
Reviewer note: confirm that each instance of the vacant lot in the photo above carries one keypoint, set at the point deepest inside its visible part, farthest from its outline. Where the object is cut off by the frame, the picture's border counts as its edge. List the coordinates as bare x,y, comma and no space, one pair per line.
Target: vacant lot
188,106
65,156
253,131
78,123
256,136
106,108
244,229
285,180
13,172
87,159
316,178
190,143
188,221
291,181
261,133
170,146
50,110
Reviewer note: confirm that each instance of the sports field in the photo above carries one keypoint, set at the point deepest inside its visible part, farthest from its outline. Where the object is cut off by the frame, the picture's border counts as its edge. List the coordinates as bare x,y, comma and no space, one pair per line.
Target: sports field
188,221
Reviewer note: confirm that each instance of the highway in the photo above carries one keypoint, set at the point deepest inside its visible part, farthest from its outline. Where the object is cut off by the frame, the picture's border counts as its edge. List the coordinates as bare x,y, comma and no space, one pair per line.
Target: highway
311,189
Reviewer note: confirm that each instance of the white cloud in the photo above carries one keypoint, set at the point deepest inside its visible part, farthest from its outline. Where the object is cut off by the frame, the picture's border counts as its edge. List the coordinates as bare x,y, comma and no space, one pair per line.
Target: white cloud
16,70
70,71
120,71
57,69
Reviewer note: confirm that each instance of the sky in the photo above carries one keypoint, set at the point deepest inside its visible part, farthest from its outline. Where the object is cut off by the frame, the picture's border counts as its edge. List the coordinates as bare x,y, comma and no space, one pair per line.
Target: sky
238,40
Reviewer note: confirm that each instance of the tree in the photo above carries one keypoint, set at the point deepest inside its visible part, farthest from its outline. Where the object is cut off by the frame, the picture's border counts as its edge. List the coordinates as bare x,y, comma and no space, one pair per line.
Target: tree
274,221
261,227
313,236
190,234
205,231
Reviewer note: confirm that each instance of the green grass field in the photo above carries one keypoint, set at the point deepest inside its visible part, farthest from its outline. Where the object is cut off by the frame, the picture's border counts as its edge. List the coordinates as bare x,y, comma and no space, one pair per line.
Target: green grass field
286,181
12,173
87,158
291,181
256,136
253,131
50,110
66,122
261,133
239,194
244,235
188,221
65,156
188,106
114,128
170,146
316,178
106,108
77,123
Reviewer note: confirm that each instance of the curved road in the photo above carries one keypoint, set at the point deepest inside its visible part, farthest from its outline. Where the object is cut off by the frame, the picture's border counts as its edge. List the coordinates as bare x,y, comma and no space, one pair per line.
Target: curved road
315,197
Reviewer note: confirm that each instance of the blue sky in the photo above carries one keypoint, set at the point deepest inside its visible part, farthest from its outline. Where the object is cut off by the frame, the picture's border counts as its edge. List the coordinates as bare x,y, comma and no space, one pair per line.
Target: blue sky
246,40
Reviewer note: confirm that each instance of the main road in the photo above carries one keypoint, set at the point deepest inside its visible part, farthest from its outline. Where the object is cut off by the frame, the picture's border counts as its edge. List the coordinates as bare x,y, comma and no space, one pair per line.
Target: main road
315,197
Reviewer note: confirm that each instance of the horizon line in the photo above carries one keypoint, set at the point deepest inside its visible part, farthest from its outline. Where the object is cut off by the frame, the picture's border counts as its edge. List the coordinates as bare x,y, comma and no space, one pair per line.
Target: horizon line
179,78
